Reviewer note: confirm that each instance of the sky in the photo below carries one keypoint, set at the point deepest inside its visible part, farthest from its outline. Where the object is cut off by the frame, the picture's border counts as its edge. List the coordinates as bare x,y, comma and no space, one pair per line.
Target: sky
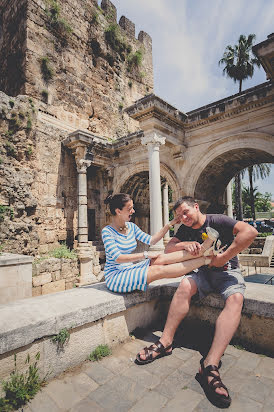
189,38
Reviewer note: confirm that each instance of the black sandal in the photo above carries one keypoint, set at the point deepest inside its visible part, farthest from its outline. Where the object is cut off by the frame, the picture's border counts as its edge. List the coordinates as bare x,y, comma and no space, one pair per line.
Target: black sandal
157,347
221,401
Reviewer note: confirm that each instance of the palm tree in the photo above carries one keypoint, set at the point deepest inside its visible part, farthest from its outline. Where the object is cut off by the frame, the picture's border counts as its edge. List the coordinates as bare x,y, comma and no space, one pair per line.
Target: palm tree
239,64
257,171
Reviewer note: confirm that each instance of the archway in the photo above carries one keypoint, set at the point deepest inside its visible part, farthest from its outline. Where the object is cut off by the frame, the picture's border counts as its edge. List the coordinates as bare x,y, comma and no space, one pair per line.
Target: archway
208,178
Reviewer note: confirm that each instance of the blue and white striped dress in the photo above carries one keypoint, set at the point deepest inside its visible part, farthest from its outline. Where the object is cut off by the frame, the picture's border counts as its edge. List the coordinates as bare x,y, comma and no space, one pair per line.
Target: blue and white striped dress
124,277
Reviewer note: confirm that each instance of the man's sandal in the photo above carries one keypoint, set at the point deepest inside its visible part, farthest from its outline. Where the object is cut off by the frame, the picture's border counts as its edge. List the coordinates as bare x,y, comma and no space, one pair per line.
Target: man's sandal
221,401
156,347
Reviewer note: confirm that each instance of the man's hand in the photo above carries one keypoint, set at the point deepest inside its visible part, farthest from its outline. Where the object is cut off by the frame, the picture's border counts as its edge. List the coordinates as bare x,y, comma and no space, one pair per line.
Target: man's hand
193,248
218,260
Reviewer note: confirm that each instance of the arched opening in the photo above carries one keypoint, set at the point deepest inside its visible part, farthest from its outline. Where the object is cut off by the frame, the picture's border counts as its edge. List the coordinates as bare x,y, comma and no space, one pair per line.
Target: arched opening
215,177
137,186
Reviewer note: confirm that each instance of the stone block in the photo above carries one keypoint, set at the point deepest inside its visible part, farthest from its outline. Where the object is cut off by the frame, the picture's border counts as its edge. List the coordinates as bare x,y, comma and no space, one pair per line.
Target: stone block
15,277
50,236
70,285
96,270
65,270
41,279
49,265
54,287
37,291
83,340
56,275
43,249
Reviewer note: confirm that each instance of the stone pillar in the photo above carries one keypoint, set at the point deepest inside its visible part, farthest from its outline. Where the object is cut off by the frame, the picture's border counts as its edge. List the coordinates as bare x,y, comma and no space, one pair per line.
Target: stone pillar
165,212
229,200
84,252
153,141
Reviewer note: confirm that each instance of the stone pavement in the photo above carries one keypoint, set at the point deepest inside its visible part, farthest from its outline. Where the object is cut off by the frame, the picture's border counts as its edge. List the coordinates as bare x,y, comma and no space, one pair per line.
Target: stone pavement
116,383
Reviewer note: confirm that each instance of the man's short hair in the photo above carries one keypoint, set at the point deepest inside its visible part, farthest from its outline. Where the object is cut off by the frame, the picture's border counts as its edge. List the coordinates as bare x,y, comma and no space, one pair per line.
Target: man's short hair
185,199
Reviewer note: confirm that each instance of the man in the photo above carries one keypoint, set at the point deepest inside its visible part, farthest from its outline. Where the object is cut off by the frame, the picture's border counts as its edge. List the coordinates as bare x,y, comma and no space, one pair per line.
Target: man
223,276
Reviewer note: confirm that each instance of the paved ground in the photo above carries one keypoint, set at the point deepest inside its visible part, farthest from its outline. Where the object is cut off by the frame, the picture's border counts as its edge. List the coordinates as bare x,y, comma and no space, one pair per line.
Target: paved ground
116,383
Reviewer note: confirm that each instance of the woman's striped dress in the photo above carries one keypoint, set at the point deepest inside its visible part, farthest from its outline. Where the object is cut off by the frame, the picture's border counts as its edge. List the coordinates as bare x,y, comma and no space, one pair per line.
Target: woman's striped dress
124,277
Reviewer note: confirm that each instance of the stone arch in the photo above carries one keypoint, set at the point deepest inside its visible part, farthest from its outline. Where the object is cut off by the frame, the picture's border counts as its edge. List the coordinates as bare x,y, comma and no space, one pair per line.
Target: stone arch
135,181
126,173
208,178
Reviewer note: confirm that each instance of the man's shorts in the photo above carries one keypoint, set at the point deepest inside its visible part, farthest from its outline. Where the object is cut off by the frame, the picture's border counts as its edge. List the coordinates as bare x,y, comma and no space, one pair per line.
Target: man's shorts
225,282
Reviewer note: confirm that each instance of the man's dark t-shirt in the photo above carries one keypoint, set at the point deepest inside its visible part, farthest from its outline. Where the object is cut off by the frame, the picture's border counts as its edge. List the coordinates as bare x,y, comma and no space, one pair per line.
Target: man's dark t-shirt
222,223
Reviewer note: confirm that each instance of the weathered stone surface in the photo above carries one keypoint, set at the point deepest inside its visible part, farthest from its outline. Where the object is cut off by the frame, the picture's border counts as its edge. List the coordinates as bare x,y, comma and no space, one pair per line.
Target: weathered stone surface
54,287
37,291
41,279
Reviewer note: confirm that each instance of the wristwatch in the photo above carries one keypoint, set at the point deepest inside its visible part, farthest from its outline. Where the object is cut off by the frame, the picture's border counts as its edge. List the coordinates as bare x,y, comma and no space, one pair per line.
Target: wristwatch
145,254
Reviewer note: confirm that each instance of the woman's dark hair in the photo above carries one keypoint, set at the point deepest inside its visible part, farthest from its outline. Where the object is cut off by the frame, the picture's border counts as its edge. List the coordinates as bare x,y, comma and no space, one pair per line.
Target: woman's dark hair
117,201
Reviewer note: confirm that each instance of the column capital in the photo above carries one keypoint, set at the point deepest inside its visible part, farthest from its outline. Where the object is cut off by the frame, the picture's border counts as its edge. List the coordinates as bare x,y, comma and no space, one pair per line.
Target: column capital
82,165
153,139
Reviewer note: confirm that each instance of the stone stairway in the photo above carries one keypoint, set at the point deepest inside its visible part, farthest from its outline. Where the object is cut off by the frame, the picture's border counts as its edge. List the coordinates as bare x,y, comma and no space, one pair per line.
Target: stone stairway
100,252
272,262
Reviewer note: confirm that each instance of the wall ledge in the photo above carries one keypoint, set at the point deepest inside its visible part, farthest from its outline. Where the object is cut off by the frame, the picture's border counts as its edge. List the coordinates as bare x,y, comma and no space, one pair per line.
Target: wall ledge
25,321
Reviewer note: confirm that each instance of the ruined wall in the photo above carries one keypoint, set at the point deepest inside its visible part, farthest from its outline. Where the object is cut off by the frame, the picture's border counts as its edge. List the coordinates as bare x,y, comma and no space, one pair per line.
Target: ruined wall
78,69
18,203
13,32
78,61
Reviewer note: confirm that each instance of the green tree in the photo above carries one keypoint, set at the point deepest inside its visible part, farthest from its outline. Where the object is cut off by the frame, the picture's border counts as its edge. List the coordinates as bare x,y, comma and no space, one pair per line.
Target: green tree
262,201
257,171
239,62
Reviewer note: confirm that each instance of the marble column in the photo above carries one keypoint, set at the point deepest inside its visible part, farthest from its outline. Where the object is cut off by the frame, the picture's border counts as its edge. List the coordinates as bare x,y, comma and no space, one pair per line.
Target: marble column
229,200
153,141
84,252
165,212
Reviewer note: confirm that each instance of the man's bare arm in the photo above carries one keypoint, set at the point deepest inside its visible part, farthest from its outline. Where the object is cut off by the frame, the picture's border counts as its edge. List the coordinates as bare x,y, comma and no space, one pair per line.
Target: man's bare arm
245,234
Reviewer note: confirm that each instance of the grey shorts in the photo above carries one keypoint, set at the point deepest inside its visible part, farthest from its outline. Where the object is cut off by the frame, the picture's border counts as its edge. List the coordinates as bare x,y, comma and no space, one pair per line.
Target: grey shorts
225,282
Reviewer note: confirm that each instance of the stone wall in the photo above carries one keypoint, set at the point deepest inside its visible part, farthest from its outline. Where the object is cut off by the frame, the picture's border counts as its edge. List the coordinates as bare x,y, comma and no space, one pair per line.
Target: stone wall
54,275
18,201
93,69
76,72
13,23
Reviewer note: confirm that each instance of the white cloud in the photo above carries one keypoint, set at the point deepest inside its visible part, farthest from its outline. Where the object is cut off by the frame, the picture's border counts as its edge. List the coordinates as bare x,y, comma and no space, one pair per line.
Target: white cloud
189,38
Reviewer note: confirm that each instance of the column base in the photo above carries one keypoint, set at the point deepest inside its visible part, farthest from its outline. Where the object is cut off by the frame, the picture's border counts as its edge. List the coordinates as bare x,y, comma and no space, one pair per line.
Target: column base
85,256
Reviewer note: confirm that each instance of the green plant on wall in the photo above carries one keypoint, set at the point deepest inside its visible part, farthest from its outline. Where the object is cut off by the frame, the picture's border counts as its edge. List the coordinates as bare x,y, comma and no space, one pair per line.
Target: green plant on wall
135,60
46,69
20,388
63,251
6,211
61,338
57,23
116,42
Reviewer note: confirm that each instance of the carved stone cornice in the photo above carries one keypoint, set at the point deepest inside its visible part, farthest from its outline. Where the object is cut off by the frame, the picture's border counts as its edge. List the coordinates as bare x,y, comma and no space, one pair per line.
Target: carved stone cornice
152,109
258,96
153,139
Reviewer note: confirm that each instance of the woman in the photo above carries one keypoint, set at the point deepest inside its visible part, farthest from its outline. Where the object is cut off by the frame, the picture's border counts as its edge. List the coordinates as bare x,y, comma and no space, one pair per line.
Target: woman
122,273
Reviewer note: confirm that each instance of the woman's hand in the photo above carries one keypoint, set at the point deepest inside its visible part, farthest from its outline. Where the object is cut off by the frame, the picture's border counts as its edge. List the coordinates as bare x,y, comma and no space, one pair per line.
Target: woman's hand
154,255
174,221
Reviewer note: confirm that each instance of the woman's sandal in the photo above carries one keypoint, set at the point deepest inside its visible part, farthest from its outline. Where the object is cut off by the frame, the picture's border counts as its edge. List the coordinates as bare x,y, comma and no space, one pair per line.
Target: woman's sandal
221,401
157,347
215,248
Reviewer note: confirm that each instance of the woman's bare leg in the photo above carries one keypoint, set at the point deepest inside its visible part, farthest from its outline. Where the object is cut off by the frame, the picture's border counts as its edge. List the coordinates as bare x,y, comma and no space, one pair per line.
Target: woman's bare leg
180,255
174,270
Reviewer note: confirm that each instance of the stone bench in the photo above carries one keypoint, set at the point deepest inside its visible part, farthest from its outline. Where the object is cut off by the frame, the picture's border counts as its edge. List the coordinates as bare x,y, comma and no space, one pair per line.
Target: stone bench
95,316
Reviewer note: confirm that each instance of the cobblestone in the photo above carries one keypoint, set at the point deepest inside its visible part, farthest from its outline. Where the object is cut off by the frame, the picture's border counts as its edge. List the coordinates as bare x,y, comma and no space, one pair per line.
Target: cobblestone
117,384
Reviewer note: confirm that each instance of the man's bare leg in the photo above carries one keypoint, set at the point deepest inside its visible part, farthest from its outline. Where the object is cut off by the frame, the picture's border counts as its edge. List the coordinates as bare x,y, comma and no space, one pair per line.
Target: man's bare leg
226,325
179,308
